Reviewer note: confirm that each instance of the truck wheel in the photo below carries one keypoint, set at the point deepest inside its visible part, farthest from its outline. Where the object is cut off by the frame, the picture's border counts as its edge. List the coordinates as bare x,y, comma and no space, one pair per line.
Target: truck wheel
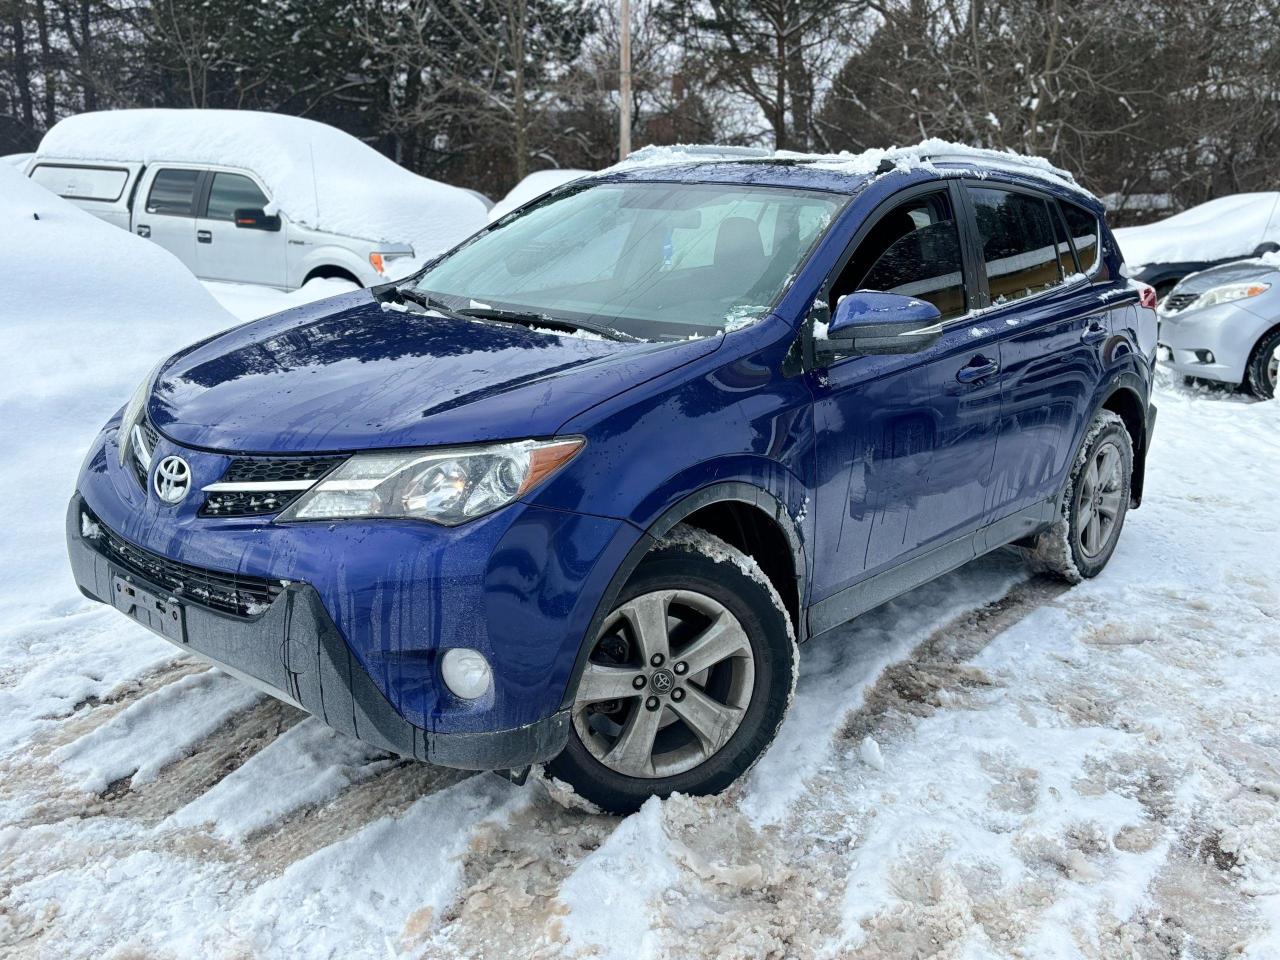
687,681
1094,505
1261,374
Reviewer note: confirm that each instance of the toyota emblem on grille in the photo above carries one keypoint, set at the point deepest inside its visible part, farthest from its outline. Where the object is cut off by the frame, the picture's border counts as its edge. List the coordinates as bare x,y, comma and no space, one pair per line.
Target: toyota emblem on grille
172,479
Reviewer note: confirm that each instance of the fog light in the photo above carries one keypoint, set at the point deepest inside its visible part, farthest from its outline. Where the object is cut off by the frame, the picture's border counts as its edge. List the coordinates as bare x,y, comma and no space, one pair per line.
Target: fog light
1204,356
466,672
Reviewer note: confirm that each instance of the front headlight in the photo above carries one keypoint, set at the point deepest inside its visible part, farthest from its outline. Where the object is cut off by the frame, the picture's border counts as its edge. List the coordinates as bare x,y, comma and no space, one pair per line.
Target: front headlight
1229,292
133,412
448,485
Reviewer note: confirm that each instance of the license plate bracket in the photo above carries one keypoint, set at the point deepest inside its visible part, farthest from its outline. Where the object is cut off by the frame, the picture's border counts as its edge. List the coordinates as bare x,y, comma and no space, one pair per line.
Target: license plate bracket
163,615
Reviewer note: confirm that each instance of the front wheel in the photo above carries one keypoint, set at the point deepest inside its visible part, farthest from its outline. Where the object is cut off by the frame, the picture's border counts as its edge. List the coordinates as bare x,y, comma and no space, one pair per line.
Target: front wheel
687,681
1094,505
1263,371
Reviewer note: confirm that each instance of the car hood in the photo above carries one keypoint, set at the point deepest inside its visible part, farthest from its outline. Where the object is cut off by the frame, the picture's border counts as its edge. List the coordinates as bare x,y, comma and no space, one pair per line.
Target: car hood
1242,271
348,373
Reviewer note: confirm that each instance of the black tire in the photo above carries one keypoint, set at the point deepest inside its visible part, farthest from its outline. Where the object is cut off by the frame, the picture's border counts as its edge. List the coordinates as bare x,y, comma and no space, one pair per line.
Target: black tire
1259,376
1064,548
695,562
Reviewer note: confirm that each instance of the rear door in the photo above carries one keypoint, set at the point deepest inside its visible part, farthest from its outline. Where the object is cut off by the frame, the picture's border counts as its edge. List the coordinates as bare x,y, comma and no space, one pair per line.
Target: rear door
905,442
1053,328
227,252
166,213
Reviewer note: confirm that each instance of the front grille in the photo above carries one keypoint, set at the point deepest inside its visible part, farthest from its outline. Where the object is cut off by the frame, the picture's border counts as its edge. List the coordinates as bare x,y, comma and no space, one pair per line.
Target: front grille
141,459
263,500
231,593
1177,302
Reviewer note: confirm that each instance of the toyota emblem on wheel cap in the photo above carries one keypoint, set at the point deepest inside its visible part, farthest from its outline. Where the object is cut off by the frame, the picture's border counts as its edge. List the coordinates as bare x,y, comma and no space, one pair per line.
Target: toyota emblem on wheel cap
172,479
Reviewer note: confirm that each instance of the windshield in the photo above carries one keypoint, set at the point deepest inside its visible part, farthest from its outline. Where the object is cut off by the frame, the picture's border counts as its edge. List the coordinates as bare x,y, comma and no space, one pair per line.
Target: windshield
651,260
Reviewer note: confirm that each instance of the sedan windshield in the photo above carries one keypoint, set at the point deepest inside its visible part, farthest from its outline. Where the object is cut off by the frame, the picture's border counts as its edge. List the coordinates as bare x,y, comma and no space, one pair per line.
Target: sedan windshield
649,260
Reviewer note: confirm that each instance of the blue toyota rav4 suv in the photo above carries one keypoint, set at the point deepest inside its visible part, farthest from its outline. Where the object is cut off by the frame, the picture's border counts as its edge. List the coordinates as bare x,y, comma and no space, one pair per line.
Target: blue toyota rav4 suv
572,493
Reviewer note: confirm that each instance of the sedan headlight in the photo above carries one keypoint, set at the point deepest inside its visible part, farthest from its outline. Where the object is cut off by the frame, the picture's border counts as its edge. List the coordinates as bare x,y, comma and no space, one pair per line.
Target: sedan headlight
1229,292
133,412
447,485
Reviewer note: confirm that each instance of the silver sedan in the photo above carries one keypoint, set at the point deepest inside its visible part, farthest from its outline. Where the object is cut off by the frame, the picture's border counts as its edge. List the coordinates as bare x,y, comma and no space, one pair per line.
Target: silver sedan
1223,324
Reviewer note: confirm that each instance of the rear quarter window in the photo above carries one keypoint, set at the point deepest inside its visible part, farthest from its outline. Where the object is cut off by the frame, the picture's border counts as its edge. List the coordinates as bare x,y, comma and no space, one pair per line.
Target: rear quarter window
105,184
1083,227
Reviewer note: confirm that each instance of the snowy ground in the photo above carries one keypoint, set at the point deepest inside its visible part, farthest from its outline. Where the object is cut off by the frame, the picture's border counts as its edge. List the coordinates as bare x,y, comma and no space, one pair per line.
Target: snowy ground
991,766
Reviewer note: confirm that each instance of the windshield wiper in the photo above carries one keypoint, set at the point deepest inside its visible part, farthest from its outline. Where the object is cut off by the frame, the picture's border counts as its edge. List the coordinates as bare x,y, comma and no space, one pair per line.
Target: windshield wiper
549,323
427,302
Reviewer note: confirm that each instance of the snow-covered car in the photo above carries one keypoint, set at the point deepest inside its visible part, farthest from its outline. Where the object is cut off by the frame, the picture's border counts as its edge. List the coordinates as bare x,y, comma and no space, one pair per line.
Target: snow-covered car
18,160
1213,233
251,197
1223,324
532,187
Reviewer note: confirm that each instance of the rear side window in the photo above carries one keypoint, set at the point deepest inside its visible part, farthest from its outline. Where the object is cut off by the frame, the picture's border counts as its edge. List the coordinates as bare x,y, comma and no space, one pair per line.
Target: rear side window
914,251
231,192
82,183
1083,227
1018,244
173,192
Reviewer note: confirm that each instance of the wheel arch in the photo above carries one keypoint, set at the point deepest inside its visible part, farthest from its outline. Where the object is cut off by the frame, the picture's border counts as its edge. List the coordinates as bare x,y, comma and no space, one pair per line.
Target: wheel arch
331,271
745,516
1125,398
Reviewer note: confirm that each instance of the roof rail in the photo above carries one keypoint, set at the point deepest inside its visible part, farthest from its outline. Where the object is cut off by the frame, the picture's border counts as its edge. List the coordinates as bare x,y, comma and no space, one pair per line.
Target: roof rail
995,158
699,151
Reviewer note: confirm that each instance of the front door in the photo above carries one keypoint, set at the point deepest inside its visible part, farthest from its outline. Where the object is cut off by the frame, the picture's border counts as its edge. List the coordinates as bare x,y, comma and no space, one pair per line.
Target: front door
905,442
227,252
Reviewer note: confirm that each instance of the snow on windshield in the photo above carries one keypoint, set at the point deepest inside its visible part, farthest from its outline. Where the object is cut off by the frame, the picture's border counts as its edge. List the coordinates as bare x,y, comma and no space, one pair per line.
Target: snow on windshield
317,175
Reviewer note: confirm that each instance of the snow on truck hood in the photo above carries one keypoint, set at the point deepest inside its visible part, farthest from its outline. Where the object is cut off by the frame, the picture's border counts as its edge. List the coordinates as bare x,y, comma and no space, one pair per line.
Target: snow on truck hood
1227,227
346,374
316,174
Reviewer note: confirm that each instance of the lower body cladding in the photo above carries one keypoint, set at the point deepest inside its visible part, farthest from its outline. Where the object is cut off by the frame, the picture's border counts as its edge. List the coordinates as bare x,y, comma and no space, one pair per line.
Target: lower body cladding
349,669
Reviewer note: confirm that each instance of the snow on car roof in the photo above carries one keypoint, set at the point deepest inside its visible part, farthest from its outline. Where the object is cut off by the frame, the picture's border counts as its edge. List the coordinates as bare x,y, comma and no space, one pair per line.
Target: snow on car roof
1230,226
924,155
316,174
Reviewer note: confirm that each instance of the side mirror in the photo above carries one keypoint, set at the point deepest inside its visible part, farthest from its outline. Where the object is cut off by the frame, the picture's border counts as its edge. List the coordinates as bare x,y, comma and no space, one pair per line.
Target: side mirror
255,218
869,322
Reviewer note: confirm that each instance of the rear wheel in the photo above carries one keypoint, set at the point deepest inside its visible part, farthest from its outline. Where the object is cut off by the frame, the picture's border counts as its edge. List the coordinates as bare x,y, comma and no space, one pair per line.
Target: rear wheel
1094,505
687,681
1263,370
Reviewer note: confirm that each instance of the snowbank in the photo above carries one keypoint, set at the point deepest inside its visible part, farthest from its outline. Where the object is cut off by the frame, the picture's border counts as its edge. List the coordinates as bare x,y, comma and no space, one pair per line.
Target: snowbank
317,175
531,187
87,310
18,160
1227,227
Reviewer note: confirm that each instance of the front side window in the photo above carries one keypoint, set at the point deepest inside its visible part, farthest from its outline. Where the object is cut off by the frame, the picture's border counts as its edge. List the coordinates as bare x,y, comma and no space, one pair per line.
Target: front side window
653,260
914,251
173,192
1083,227
231,192
1018,244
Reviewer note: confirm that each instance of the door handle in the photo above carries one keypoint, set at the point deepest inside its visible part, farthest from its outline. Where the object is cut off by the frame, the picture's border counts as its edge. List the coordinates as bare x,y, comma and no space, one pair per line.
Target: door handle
204,236
1094,333
979,368
144,230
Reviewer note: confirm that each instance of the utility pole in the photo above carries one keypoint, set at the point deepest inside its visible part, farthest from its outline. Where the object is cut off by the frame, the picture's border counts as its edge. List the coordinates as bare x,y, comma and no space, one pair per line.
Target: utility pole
624,82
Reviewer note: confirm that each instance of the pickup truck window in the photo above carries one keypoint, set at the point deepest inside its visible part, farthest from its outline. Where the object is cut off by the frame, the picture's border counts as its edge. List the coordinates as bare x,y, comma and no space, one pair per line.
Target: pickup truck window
173,192
81,183
232,192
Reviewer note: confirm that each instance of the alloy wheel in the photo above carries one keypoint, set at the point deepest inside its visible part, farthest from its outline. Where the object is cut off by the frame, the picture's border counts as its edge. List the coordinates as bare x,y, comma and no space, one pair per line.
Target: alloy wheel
667,684
1099,500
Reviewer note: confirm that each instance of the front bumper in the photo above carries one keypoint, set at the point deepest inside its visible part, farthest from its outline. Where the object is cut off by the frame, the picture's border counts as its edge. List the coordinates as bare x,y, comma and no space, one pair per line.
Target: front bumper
1211,343
294,652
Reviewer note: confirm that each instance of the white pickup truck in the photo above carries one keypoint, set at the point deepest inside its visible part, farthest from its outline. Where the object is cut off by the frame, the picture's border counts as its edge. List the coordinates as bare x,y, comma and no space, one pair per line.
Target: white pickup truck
281,210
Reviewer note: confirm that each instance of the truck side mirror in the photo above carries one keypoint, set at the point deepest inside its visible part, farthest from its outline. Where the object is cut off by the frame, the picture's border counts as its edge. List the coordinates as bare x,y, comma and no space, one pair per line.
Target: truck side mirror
255,218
